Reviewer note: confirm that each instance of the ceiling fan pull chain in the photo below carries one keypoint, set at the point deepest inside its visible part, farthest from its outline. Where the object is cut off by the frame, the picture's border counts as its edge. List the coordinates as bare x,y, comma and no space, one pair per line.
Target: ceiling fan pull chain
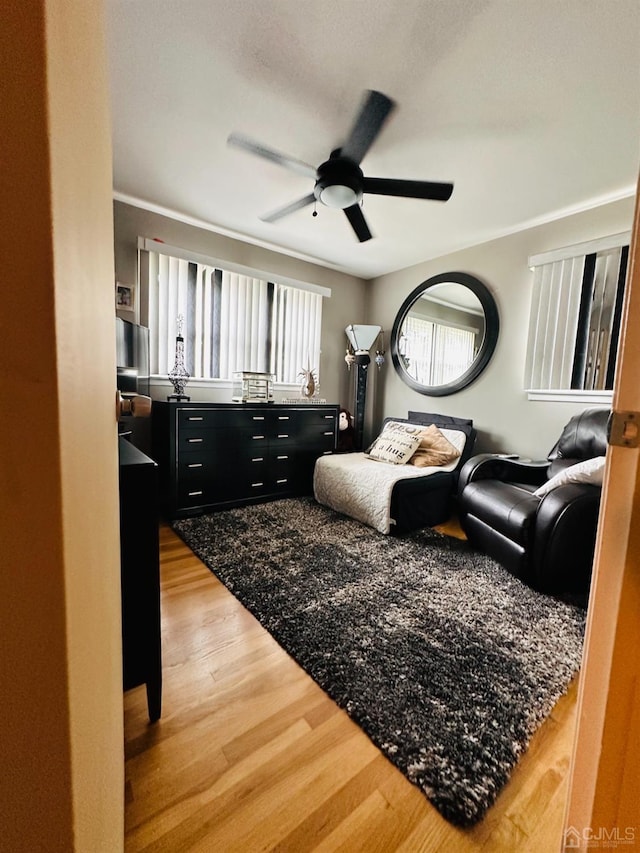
315,212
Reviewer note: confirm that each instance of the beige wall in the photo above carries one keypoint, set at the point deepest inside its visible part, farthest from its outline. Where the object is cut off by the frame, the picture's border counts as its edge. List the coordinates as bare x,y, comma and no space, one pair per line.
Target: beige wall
61,743
346,305
497,402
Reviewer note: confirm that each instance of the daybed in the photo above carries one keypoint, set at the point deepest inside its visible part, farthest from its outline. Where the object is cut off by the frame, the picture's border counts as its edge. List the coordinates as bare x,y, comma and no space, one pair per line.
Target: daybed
390,496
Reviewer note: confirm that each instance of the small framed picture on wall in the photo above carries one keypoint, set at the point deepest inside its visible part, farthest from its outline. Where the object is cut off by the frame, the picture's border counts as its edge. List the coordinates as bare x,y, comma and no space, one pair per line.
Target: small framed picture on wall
125,297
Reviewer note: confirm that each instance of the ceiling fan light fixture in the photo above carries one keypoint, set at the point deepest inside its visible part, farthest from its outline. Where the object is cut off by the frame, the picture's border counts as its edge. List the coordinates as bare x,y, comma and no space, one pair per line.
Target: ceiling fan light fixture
339,196
339,181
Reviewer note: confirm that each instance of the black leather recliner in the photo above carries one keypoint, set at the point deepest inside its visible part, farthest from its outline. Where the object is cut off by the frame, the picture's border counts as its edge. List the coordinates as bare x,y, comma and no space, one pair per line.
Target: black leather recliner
547,542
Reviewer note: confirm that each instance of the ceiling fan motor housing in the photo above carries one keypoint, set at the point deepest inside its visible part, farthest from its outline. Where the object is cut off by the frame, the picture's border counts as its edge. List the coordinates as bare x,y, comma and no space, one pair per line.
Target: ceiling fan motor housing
339,182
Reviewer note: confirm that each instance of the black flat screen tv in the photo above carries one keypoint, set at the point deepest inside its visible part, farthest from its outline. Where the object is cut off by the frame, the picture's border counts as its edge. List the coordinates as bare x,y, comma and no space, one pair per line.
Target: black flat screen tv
132,351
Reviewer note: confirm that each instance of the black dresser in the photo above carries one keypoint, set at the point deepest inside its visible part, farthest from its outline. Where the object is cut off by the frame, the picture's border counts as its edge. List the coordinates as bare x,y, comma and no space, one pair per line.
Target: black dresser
214,456
140,574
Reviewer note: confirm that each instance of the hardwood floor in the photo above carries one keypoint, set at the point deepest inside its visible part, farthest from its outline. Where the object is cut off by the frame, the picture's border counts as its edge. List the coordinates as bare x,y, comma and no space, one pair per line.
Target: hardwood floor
250,754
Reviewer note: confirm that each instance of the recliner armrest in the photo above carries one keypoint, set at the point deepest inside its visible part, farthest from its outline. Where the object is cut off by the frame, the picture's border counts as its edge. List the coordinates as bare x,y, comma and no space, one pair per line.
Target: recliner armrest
495,466
566,526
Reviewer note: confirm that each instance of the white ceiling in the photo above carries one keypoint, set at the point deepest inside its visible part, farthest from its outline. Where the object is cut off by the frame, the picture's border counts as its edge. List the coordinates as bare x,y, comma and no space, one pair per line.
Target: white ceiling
531,109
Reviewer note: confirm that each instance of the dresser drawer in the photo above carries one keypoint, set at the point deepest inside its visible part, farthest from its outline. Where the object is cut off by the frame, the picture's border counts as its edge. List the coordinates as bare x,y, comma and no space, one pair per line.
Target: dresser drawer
191,495
196,439
254,441
318,429
251,484
282,438
223,418
282,485
321,438
196,468
222,441
254,419
283,422
252,470
281,464
196,418
319,418
281,456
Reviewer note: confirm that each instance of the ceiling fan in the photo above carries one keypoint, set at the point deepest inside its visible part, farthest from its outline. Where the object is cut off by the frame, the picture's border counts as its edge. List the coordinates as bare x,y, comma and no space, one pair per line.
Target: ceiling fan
339,181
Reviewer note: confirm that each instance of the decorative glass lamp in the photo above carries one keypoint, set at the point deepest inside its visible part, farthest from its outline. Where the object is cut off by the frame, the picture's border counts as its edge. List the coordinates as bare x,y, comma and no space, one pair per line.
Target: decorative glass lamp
179,375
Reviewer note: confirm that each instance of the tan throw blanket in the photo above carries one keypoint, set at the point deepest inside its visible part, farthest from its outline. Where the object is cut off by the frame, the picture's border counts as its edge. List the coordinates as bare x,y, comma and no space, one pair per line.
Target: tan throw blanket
360,487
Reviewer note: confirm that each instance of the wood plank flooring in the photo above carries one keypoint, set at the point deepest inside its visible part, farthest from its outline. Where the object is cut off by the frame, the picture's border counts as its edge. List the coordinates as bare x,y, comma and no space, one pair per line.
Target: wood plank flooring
251,755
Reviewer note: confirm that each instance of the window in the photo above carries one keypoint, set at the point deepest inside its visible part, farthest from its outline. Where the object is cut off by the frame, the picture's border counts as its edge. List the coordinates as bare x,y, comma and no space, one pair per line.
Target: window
436,353
232,320
575,320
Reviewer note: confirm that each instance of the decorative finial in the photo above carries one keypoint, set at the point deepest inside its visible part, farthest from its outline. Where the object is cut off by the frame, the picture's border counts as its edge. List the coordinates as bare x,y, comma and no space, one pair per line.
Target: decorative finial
179,375
379,359
349,357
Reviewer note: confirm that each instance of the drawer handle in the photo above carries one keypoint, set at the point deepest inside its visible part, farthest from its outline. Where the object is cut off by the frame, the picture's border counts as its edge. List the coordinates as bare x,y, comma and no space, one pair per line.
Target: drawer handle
194,494
283,417
255,437
328,433
281,481
193,418
194,465
258,459
282,457
195,440
256,485
283,435
258,417
328,417
327,452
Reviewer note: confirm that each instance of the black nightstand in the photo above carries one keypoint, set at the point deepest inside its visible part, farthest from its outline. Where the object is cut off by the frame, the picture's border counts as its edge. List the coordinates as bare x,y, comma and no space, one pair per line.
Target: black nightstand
140,574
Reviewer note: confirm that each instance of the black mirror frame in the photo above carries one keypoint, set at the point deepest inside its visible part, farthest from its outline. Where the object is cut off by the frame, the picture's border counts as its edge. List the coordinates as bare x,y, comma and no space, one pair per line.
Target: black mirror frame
492,328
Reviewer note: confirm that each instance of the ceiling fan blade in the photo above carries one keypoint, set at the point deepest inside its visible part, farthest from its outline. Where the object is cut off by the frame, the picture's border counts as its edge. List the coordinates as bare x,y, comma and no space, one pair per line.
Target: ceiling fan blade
358,222
408,189
289,208
247,144
368,125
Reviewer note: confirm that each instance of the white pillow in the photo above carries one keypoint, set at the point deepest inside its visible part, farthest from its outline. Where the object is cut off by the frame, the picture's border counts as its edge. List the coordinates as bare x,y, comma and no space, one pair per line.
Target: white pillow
590,471
396,443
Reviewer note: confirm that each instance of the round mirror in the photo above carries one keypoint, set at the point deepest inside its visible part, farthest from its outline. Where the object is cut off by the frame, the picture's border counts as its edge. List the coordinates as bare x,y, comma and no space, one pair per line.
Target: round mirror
444,334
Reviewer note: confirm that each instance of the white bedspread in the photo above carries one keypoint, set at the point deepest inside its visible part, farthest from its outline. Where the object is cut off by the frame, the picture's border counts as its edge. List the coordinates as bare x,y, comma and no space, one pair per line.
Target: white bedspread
355,485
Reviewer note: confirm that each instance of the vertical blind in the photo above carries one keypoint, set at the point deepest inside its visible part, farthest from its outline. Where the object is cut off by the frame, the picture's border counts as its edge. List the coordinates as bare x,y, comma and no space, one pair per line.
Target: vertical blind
231,321
436,354
575,320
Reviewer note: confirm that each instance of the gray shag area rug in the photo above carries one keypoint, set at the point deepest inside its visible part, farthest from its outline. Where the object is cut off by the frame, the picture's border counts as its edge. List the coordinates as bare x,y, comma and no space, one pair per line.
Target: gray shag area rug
447,662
